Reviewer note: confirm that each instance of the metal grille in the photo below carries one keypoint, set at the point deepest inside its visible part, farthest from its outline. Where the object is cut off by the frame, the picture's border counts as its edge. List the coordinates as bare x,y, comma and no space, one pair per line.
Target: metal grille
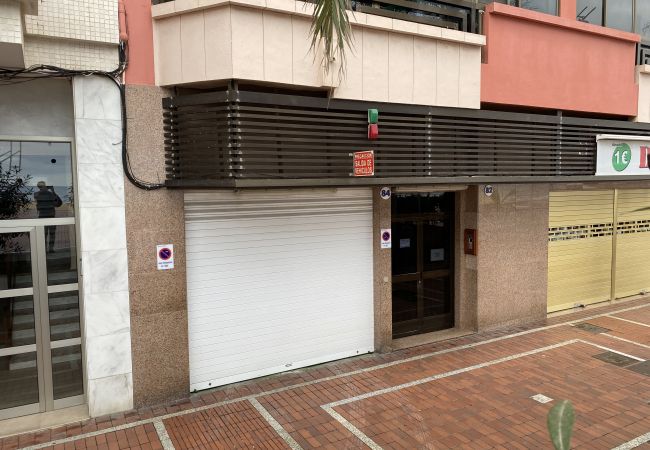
643,53
217,139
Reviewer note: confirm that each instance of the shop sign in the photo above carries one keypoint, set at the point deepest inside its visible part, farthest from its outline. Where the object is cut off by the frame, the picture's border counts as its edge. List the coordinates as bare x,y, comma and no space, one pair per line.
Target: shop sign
386,238
165,256
622,155
363,163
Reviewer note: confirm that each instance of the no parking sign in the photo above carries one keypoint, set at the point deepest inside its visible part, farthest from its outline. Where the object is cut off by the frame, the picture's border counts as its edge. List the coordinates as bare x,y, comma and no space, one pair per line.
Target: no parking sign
165,256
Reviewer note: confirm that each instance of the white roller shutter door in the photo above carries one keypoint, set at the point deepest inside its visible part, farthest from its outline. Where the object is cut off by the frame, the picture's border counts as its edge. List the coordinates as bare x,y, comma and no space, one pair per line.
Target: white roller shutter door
276,280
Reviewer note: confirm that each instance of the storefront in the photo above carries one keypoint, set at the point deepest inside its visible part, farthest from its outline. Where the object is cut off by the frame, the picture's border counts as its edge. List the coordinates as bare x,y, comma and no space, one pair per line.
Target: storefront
304,246
599,235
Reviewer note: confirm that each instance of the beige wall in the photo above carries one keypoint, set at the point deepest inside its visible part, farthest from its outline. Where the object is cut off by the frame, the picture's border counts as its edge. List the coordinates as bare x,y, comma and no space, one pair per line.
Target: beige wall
268,41
157,298
643,81
512,255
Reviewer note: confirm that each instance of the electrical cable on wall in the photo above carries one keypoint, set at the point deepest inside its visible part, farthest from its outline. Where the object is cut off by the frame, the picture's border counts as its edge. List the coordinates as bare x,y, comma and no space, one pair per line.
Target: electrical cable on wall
9,77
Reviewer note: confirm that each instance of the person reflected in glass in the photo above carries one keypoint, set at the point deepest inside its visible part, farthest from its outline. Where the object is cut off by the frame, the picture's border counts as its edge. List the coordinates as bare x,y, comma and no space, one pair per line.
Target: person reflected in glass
46,203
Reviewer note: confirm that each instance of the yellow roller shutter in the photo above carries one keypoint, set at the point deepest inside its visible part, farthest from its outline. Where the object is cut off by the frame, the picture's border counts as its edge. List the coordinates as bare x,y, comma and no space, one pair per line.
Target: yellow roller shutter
579,248
632,242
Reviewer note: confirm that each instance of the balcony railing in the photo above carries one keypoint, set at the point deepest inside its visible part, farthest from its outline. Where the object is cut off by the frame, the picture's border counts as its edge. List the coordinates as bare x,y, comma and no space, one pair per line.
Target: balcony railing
460,15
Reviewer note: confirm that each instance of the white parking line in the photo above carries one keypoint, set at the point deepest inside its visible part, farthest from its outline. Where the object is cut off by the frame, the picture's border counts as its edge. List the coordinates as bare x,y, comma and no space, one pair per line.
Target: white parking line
325,379
329,407
275,424
634,443
165,440
627,320
625,340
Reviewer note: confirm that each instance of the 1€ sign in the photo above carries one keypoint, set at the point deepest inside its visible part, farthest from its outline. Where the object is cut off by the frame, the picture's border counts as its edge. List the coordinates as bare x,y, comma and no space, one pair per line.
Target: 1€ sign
165,256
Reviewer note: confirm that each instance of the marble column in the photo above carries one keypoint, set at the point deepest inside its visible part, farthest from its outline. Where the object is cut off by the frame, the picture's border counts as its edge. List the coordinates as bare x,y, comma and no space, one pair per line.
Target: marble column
102,230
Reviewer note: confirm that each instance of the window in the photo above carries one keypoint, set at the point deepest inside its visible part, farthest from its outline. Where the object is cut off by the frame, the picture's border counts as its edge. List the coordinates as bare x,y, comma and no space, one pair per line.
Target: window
590,11
618,14
543,6
642,25
610,13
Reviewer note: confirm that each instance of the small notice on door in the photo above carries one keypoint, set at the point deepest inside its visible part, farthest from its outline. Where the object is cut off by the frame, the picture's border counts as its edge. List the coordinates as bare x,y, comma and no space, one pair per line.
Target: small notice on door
363,163
404,243
165,256
437,254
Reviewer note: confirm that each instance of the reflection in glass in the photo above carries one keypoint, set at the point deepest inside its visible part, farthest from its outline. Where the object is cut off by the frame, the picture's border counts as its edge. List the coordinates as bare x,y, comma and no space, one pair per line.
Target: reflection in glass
15,261
618,14
18,380
590,11
543,6
67,373
436,296
64,315
642,12
17,321
35,180
61,254
405,301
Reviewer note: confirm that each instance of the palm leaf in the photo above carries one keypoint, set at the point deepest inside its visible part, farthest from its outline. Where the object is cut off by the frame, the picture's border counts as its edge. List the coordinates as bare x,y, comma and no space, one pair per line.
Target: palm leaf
560,424
330,27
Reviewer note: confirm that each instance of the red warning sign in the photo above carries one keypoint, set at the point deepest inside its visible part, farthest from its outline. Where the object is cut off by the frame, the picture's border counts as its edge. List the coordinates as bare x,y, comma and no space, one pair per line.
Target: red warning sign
364,163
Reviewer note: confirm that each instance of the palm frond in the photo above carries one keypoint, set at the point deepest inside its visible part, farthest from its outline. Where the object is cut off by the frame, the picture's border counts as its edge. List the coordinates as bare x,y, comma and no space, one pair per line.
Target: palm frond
330,27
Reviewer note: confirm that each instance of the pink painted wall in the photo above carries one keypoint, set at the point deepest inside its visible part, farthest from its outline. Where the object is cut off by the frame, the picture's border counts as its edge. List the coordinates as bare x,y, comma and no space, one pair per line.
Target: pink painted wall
140,42
537,60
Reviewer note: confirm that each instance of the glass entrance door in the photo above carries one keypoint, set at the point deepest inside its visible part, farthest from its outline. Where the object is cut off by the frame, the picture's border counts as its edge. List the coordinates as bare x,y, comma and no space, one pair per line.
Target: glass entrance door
40,334
422,261
41,366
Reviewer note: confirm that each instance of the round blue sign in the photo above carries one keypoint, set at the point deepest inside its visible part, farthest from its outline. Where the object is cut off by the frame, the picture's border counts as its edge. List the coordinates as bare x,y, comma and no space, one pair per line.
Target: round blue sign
165,253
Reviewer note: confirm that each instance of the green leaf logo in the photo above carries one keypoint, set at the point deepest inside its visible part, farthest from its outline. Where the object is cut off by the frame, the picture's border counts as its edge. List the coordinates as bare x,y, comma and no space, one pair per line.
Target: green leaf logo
621,157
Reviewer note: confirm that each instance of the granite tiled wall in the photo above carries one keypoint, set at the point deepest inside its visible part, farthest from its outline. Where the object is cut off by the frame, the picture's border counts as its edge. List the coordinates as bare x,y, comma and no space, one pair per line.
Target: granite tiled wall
465,269
104,274
382,270
158,297
512,254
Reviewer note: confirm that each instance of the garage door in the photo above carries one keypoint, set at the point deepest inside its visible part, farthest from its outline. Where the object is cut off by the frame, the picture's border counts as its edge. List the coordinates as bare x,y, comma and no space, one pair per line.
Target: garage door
276,280
579,248
632,242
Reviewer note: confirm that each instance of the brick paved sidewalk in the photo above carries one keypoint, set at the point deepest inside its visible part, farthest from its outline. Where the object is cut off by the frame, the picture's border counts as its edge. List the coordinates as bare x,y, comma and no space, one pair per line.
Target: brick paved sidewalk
472,392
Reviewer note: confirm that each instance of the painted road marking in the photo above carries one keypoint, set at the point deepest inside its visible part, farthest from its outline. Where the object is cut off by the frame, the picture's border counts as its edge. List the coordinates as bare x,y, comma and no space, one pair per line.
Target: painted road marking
625,340
165,440
634,443
275,424
325,379
629,321
329,407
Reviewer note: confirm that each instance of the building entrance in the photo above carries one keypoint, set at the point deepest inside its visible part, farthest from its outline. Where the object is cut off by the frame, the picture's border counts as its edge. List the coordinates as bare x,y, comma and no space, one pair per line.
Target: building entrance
422,262
41,365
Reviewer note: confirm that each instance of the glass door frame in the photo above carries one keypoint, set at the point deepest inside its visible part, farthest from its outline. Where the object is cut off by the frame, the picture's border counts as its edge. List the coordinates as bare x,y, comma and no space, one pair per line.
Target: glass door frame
35,292
427,324
44,346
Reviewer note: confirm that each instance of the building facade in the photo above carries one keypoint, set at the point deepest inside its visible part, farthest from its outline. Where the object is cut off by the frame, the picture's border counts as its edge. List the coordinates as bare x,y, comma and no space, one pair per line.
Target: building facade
66,348
234,218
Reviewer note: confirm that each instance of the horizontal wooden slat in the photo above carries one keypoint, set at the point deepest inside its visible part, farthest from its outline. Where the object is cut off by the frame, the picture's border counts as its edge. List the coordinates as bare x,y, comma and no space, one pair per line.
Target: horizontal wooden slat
255,135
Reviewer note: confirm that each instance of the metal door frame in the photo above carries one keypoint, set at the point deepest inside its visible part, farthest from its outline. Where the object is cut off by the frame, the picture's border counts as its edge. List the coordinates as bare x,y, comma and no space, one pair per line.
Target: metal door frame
43,346
420,275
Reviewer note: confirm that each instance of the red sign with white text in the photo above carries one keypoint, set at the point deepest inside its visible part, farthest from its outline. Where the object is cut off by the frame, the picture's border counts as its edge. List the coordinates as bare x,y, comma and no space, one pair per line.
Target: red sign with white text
364,163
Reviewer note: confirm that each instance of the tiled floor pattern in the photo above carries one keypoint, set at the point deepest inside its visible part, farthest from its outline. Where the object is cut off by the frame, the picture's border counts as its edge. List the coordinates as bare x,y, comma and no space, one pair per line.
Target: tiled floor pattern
471,392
